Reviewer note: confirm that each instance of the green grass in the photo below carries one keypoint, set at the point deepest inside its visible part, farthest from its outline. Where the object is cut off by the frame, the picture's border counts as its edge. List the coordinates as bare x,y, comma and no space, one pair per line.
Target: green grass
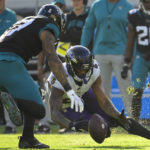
119,140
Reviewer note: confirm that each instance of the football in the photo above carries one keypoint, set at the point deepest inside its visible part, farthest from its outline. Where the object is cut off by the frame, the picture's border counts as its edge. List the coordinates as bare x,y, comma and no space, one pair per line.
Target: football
97,128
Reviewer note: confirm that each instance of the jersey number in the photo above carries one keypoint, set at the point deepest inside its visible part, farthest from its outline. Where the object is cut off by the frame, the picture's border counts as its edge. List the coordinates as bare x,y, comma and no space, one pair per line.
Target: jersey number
19,25
143,35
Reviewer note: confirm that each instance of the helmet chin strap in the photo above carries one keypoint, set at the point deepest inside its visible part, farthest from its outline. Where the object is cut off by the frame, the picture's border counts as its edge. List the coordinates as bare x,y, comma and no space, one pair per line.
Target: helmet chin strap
147,12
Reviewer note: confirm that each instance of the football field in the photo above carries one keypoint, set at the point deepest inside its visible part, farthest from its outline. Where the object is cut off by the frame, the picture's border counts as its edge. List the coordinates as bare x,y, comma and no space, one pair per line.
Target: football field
119,140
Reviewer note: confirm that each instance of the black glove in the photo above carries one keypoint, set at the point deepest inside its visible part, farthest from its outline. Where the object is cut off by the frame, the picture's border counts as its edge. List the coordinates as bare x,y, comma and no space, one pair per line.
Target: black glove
108,133
124,72
79,126
122,121
133,126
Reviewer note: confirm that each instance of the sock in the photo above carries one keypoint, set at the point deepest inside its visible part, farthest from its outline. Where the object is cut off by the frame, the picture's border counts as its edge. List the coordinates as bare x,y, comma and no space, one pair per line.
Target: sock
136,103
28,130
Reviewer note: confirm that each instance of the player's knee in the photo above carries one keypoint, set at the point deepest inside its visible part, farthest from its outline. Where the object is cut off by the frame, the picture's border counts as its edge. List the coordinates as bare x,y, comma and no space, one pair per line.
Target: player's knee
40,112
34,109
37,111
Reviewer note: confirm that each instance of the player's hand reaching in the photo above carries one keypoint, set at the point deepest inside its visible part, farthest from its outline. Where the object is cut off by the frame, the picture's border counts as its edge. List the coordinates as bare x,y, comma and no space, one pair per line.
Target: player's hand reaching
79,125
122,121
133,126
75,101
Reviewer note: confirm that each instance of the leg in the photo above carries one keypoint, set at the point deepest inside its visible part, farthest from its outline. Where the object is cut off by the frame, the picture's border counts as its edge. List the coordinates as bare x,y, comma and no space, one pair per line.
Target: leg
21,86
136,103
139,76
123,84
2,118
106,72
44,124
9,127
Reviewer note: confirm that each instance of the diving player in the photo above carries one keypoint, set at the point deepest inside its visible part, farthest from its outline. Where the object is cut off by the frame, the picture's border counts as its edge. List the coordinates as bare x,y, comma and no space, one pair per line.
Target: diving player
83,73
18,44
139,31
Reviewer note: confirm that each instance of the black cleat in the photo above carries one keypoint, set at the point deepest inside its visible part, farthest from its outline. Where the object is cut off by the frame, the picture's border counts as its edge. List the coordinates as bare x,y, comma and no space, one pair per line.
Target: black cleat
11,107
9,130
43,129
31,143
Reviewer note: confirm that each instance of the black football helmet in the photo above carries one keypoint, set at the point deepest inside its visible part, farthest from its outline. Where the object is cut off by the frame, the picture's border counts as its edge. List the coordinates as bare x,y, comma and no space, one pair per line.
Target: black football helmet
142,7
79,62
55,14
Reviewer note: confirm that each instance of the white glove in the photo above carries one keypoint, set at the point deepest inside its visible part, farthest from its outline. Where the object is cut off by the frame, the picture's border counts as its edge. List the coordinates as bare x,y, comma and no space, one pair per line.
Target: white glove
75,100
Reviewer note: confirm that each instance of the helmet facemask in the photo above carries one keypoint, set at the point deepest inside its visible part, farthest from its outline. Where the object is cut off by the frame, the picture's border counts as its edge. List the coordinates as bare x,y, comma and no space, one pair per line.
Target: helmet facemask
80,71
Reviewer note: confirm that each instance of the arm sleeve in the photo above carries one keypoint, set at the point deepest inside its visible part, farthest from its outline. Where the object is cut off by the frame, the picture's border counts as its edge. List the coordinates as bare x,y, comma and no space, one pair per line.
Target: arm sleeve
54,82
88,29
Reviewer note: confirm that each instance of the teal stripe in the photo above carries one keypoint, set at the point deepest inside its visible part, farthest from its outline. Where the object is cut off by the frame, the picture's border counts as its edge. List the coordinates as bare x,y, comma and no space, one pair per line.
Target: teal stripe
9,56
52,27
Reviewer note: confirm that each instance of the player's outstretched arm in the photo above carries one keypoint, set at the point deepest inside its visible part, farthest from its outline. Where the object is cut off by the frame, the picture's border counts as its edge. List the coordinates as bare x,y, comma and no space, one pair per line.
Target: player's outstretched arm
132,126
104,102
56,107
40,66
56,103
56,67
54,62
130,42
128,124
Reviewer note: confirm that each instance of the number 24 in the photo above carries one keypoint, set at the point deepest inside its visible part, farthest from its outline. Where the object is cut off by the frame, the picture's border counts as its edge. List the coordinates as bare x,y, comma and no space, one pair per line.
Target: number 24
143,36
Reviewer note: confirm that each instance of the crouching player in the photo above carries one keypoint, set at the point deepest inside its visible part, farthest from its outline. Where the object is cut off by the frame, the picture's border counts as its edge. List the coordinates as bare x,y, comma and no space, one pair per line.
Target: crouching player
83,74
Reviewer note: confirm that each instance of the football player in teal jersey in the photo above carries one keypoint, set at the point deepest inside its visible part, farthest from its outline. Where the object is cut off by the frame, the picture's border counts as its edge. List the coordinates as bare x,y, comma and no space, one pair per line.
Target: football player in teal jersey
25,39
139,27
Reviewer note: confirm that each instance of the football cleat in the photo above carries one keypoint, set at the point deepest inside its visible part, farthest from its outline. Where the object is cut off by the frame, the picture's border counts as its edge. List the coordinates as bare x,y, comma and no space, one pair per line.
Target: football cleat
11,107
9,130
31,143
43,129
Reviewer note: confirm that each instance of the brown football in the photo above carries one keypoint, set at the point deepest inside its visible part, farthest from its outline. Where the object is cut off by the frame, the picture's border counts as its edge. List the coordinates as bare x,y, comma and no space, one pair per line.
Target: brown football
97,128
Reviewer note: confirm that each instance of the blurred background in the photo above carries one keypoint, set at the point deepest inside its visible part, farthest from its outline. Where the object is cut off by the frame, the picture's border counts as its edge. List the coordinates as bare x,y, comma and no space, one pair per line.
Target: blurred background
28,7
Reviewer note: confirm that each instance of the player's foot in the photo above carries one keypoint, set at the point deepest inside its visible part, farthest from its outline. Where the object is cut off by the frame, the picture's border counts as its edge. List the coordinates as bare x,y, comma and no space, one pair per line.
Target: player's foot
31,143
9,130
11,107
42,129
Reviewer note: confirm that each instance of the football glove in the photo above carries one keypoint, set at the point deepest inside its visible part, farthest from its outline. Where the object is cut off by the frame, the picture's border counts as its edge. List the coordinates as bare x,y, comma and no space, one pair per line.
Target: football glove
79,126
75,100
108,133
133,126
124,72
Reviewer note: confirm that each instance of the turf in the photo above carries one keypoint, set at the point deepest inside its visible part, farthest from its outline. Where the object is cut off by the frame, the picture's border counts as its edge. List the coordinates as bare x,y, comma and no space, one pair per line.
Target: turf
119,140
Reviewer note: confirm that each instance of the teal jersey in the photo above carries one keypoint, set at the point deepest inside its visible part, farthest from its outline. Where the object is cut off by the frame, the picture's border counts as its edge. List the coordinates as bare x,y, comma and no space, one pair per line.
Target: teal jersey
108,22
7,19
